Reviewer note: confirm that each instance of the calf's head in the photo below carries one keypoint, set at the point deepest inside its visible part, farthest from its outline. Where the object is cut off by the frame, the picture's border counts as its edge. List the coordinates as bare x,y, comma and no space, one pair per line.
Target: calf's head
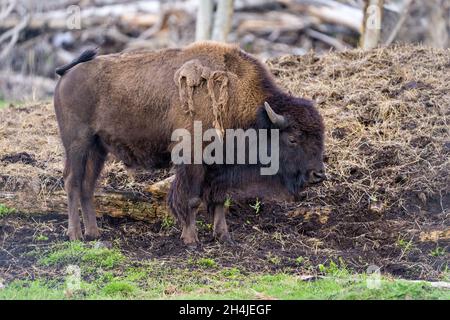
301,143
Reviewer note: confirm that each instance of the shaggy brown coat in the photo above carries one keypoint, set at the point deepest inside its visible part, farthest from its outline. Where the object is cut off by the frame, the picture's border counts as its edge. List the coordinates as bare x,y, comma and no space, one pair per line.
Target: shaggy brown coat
128,104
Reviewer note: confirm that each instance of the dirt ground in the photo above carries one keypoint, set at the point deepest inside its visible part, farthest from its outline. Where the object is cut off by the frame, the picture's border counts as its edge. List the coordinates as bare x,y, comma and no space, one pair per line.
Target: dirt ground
386,203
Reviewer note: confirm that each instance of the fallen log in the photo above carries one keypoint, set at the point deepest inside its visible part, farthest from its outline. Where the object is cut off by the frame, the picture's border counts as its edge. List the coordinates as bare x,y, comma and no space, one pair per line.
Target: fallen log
161,188
111,203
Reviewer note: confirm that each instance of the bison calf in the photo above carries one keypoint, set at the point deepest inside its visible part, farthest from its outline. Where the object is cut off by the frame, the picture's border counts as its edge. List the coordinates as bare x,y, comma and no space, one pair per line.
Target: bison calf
129,104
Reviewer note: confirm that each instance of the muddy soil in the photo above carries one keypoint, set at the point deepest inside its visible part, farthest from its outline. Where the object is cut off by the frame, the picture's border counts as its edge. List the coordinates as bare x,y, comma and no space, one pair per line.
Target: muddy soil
277,239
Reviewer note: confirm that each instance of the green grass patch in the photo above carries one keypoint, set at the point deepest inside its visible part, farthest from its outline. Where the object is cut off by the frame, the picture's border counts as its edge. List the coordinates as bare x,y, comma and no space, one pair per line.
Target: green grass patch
168,222
5,211
256,206
349,288
231,273
84,255
31,290
204,225
405,245
119,288
3,103
438,251
335,269
273,259
299,260
206,263
157,280
41,237
6,104
103,273
228,202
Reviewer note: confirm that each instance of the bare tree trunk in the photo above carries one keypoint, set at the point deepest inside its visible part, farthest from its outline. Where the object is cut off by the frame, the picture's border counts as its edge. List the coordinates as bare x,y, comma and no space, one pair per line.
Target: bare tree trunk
204,20
371,29
438,25
222,23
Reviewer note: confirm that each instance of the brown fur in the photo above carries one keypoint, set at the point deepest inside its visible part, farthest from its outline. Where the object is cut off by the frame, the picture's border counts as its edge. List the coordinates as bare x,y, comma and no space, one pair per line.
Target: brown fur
128,104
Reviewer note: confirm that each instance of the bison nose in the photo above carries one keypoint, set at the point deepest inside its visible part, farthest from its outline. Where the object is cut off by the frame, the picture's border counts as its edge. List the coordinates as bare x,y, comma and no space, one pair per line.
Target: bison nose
316,176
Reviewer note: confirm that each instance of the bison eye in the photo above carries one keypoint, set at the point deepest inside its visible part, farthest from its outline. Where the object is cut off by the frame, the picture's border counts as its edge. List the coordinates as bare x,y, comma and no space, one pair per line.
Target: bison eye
292,140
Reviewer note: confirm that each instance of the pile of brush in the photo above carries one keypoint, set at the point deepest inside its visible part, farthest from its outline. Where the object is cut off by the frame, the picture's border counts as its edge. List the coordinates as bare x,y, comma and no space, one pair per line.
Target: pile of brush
387,119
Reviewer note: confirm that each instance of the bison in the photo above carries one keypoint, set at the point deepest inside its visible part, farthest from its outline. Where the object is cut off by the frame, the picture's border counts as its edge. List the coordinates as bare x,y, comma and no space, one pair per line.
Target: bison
129,104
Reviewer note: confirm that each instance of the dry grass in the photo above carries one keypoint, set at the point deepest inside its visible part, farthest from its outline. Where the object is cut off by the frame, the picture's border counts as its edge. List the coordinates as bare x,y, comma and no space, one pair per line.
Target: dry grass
387,119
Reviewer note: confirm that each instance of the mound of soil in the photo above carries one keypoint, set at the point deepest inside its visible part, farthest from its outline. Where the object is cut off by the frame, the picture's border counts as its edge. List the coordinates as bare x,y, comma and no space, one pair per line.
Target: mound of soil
386,203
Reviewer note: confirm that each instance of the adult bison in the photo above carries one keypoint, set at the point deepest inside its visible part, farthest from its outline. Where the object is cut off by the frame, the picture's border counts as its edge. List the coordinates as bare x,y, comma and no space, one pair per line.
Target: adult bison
129,104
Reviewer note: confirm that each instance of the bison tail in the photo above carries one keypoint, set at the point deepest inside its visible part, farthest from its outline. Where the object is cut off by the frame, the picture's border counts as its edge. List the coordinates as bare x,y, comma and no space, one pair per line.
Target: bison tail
87,55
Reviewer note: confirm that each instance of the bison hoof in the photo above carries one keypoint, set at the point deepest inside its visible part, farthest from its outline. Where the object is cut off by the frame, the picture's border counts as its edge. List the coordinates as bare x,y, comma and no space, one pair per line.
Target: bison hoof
74,234
90,235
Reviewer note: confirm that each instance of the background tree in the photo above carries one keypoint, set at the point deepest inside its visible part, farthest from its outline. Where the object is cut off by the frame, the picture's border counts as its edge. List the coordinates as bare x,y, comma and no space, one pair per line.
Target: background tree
222,23
222,20
204,20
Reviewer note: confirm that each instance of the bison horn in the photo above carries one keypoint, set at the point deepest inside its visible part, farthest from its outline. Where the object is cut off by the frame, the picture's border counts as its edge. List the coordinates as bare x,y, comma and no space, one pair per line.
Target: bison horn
277,119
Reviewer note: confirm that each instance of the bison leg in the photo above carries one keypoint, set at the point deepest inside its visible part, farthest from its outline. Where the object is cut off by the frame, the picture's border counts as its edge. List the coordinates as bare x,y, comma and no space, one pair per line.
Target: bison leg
220,225
184,200
73,172
189,233
94,164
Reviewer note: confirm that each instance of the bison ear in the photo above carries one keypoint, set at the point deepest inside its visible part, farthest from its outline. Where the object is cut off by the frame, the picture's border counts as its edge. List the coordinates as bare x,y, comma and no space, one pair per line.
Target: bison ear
277,119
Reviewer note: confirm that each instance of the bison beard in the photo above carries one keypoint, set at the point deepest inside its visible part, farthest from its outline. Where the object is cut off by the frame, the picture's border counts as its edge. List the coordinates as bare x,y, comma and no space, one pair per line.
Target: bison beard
129,104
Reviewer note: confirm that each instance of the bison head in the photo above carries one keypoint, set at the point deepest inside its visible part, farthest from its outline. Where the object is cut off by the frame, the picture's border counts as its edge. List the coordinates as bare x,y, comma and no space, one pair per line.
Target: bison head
301,143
